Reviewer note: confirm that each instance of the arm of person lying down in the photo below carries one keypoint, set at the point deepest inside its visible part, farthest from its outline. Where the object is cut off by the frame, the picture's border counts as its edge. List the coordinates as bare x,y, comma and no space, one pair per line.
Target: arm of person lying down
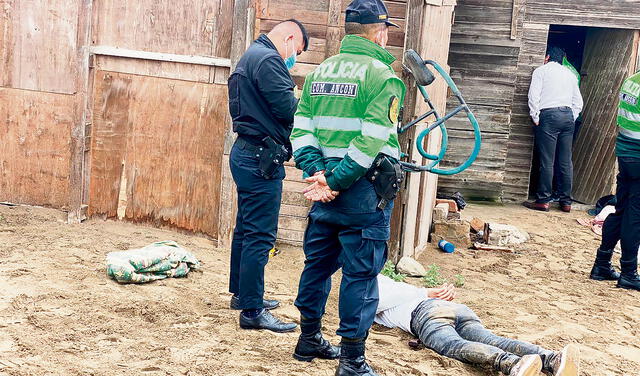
446,292
392,293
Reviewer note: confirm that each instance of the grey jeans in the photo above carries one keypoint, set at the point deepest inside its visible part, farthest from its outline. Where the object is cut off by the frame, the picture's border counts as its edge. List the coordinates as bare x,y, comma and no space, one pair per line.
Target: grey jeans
453,330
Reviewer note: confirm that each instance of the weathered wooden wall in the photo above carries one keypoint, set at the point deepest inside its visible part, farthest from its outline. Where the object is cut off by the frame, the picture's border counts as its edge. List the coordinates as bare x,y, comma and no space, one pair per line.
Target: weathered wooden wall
39,106
158,126
324,21
162,150
496,45
594,154
35,135
484,61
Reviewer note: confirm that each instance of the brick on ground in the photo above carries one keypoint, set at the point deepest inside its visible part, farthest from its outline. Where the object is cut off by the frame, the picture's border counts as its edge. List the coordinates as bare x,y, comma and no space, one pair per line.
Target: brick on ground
455,232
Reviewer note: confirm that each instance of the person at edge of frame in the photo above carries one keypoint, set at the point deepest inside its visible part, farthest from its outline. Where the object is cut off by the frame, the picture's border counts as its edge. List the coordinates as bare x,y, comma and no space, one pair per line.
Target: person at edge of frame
624,224
262,105
345,140
555,102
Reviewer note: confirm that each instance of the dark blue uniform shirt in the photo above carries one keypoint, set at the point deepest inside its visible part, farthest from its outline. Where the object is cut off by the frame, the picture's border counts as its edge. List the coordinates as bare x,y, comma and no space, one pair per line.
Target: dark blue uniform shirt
261,100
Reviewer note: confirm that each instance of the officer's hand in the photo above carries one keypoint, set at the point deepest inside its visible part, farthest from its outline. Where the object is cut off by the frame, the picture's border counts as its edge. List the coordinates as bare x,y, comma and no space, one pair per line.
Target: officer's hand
297,93
319,189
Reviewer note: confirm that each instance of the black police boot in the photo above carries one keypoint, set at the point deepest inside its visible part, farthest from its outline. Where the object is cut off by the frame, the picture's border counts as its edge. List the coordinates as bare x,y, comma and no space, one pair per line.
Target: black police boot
266,303
265,320
602,269
311,344
629,278
352,361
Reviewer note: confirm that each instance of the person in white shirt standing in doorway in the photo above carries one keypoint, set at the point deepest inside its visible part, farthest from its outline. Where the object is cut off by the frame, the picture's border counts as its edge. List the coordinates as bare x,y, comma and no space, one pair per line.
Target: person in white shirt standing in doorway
555,103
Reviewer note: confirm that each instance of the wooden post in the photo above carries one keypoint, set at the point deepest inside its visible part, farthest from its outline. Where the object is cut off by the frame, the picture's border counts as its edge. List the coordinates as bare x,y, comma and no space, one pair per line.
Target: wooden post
243,25
413,35
515,12
77,181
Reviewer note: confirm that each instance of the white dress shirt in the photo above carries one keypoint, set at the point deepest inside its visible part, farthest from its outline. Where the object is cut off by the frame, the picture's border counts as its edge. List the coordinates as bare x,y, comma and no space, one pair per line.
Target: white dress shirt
554,85
397,301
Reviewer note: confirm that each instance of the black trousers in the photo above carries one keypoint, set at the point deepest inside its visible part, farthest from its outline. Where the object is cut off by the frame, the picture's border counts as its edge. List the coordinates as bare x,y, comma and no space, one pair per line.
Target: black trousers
555,132
624,224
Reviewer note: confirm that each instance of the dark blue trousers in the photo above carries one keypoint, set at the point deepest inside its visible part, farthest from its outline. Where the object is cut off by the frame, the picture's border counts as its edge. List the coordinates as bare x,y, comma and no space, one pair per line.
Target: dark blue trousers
624,224
256,226
352,234
555,133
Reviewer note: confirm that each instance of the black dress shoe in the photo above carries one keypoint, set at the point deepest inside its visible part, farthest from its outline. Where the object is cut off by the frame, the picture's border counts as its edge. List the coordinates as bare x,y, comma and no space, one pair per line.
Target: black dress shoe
536,206
314,346
265,320
354,367
266,303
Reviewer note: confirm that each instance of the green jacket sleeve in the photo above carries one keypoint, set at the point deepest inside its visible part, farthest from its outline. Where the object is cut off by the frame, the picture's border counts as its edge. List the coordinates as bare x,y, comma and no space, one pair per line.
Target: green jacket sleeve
377,125
306,149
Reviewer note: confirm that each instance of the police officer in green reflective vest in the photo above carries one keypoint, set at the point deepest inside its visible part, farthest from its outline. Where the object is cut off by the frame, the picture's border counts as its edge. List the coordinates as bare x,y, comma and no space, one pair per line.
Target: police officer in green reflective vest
345,140
624,224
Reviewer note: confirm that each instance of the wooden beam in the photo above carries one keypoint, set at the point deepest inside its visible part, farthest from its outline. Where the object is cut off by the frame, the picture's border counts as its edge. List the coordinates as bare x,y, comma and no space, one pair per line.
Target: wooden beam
413,36
77,181
158,56
515,12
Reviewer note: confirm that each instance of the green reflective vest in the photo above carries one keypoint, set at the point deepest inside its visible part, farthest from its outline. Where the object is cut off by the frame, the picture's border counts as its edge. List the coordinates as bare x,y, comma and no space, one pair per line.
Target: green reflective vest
628,141
348,113
573,69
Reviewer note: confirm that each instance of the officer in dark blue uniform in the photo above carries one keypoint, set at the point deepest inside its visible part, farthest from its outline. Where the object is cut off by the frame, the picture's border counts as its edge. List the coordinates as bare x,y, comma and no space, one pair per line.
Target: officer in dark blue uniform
262,105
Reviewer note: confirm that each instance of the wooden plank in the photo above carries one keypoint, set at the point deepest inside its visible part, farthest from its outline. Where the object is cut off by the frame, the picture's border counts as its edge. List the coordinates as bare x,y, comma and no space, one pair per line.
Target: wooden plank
135,133
164,26
35,134
517,7
594,13
400,232
157,56
161,69
38,45
78,183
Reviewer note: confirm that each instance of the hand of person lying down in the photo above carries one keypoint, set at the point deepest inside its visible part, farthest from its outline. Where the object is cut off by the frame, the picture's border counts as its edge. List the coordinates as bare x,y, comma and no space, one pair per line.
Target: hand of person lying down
319,190
446,292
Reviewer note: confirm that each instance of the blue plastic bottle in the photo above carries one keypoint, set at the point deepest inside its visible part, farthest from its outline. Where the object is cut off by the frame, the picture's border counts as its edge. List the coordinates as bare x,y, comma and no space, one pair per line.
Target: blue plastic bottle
446,246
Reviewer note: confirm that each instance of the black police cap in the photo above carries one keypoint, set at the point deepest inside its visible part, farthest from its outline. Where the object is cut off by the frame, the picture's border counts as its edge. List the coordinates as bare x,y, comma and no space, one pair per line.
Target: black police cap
368,12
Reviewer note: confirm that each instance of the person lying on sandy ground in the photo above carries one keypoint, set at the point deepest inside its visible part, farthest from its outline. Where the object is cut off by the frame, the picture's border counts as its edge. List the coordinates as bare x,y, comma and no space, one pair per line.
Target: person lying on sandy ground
455,331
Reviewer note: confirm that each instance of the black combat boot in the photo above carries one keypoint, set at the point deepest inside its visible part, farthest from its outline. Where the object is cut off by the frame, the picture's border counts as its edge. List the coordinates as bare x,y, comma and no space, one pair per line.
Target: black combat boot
311,344
629,278
602,269
352,361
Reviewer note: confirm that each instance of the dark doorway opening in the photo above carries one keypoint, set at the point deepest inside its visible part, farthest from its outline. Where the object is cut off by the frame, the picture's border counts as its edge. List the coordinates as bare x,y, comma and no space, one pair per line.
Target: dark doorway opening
589,51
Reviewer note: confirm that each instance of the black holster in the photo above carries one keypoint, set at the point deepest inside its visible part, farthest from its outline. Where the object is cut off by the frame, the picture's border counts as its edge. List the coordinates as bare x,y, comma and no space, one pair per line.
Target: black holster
271,156
386,176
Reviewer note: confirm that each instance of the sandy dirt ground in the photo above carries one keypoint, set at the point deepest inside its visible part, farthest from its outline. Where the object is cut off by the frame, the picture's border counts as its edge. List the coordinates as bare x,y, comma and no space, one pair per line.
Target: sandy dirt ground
61,315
